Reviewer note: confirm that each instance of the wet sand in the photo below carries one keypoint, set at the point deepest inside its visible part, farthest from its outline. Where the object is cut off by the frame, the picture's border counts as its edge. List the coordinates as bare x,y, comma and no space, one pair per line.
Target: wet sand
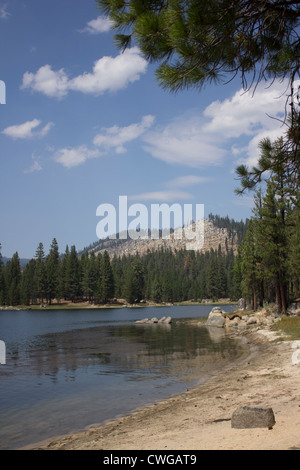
200,418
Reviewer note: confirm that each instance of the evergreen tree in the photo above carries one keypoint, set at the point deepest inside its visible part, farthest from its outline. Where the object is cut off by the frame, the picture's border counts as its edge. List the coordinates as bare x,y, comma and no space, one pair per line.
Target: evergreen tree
13,277
107,279
63,283
131,287
41,274
273,237
29,283
89,275
249,265
99,284
52,271
156,293
198,42
2,280
40,253
72,283
293,260
212,278
138,278
221,278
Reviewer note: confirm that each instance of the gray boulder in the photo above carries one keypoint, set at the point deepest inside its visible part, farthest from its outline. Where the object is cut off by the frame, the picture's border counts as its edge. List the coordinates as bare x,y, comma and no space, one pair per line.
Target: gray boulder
241,304
216,318
153,320
253,417
294,308
166,320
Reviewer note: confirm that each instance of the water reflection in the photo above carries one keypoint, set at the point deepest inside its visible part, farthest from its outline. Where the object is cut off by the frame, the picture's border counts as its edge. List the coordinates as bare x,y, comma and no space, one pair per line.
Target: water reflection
63,380
124,348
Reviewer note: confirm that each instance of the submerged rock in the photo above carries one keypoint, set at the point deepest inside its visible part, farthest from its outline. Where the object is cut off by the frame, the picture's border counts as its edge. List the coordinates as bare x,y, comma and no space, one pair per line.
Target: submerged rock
151,321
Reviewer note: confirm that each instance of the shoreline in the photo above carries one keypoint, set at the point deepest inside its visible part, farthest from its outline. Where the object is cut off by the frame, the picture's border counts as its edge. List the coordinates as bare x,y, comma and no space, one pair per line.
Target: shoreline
200,418
89,306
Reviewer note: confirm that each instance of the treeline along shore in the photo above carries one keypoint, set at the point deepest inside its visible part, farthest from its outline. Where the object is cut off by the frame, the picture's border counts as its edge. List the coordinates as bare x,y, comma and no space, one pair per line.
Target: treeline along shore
265,268
161,276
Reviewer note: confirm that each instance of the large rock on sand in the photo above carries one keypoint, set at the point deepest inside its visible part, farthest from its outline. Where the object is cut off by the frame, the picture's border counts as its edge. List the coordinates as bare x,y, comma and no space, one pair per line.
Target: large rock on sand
253,417
216,318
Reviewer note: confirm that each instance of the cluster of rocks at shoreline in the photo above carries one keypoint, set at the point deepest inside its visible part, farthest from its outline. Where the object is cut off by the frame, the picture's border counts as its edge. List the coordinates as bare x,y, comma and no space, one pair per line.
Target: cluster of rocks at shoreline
154,320
10,308
239,319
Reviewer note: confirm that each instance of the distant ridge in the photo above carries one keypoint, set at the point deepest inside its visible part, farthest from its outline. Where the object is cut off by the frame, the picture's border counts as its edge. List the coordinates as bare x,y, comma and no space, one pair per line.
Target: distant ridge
215,235
23,261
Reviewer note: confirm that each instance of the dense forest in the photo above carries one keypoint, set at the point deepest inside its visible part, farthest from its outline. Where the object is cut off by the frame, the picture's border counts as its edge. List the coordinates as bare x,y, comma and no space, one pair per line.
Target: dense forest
268,261
161,276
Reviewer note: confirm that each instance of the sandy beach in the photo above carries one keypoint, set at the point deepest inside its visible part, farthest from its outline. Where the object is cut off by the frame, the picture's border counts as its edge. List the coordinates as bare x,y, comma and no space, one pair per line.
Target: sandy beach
200,418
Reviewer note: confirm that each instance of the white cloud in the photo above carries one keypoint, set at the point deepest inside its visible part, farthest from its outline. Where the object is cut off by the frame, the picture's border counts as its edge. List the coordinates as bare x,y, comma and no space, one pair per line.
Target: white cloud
27,130
251,154
4,14
174,194
35,166
99,25
246,113
246,119
111,138
188,180
183,142
162,196
108,74
115,137
70,157
46,81
232,127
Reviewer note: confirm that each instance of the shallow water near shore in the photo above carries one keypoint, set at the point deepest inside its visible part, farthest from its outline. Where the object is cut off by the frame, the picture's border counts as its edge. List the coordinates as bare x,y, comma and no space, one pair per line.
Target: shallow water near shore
68,369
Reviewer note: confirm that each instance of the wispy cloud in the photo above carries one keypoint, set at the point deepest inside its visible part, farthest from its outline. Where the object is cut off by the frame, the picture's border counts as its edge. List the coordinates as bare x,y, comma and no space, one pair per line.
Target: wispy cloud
35,165
174,191
188,180
99,25
167,195
112,139
74,156
27,130
109,74
226,130
182,142
115,137
4,14
232,127
246,119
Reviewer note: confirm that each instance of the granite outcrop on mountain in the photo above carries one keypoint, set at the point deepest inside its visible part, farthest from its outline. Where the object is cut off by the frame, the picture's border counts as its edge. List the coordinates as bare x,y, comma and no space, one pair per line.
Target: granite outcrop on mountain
200,236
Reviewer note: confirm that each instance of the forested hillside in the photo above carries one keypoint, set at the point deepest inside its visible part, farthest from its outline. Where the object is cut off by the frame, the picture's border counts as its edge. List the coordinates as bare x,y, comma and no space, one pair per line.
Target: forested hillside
163,275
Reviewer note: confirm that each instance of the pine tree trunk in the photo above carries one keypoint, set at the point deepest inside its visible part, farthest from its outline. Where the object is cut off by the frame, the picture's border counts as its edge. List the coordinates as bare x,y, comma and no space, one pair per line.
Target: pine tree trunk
283,298
278,297
254,299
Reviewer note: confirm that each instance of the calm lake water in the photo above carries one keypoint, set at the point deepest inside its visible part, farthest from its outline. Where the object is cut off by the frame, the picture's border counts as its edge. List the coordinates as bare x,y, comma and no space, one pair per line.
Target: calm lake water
68,369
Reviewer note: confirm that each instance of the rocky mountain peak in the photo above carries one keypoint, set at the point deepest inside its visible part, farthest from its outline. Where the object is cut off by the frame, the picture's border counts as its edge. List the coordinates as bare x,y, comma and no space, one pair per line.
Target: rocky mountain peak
200,236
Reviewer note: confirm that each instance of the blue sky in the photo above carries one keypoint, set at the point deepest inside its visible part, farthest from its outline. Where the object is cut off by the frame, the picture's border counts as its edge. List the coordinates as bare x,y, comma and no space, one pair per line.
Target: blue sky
84,124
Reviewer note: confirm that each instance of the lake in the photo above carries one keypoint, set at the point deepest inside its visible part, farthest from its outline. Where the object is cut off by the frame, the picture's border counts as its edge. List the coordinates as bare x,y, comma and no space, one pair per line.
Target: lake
68,369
